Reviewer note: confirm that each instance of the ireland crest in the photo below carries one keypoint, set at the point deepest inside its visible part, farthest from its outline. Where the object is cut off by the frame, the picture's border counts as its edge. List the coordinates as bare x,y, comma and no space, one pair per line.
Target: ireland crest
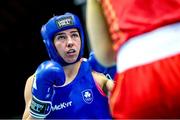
87,96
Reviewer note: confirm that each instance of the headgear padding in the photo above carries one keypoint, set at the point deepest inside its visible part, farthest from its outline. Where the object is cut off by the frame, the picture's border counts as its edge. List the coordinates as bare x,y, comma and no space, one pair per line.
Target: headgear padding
55,25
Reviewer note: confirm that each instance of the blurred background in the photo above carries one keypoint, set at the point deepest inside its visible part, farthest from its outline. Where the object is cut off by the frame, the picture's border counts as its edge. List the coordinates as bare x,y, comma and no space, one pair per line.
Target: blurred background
22,49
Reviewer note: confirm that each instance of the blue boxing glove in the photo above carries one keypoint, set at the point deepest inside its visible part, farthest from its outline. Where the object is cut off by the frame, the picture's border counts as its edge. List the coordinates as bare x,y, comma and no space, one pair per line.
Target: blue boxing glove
48,73
96,66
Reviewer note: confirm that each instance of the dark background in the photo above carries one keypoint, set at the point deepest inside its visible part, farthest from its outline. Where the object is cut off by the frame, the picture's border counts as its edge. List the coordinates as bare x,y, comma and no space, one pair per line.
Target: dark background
21,47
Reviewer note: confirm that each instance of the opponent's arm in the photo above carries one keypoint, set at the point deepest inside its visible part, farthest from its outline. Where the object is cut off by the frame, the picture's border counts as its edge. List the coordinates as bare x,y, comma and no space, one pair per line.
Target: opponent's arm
99,37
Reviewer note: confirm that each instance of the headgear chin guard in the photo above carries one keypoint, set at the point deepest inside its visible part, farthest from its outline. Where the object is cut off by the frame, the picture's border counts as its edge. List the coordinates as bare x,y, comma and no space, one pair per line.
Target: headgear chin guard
57,24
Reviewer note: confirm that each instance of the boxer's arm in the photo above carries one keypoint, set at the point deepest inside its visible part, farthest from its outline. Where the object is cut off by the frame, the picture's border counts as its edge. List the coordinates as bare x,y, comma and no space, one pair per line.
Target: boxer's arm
27,97
103,82
99,37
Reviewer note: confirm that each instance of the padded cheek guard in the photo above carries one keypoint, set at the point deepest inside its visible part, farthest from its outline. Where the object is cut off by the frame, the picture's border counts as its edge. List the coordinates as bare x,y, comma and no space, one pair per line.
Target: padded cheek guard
55,25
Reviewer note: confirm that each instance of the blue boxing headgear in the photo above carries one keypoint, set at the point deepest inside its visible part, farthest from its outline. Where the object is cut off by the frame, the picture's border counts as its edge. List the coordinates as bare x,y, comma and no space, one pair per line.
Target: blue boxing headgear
55,25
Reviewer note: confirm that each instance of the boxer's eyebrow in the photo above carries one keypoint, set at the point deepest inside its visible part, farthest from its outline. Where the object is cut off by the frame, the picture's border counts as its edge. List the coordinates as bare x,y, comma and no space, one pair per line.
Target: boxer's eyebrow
74,31
60,33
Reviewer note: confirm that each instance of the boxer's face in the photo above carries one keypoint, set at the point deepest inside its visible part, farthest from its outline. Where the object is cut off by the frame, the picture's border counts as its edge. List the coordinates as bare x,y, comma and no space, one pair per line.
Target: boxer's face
68,44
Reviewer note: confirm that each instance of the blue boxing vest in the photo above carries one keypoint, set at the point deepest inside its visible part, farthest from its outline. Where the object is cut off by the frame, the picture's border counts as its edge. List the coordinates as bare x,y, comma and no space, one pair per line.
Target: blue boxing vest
80,99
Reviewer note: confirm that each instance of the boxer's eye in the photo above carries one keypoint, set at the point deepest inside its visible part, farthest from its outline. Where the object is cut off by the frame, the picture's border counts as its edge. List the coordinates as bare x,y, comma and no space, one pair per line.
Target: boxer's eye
74,35
61,37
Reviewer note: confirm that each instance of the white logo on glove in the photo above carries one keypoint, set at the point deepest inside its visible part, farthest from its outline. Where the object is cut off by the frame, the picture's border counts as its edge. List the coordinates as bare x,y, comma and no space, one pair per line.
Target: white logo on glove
34,83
